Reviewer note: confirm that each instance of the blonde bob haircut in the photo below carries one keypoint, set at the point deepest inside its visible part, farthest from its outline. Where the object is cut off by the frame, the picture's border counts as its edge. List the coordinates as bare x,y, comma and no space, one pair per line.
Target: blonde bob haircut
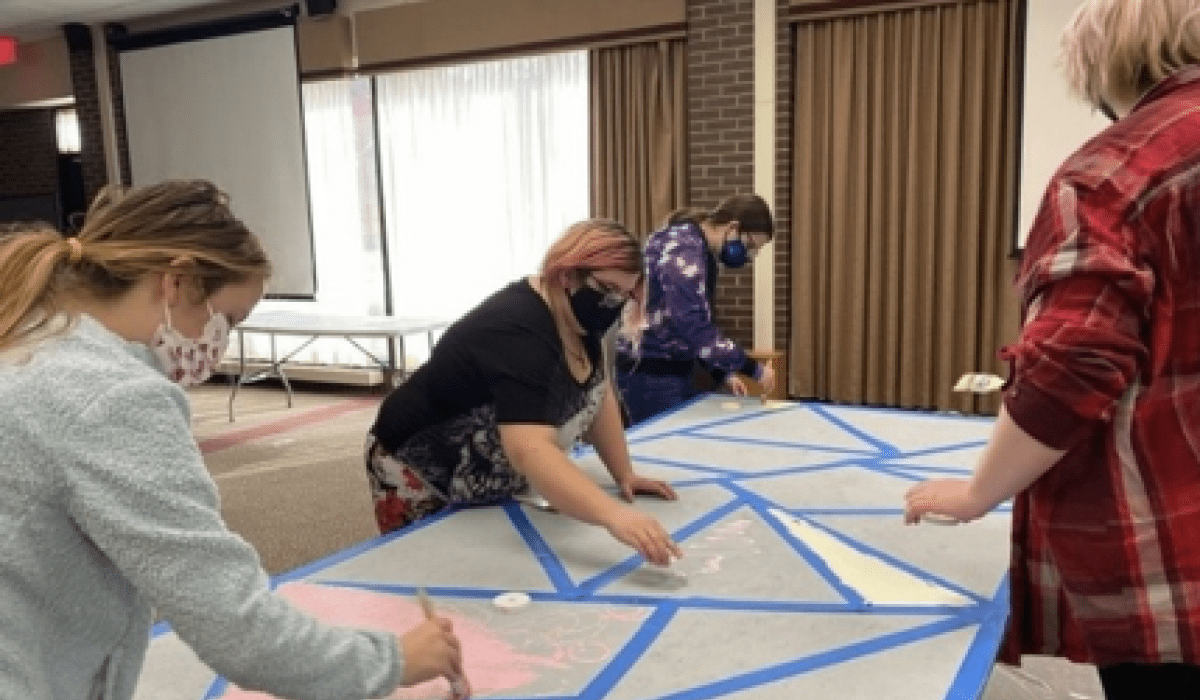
1114,51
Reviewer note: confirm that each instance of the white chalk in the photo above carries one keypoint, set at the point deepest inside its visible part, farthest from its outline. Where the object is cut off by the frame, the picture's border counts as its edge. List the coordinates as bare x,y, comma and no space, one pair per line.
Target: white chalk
511,601
939,519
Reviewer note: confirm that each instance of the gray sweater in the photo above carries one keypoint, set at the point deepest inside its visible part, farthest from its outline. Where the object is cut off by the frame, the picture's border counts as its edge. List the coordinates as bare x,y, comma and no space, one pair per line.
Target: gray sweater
107,510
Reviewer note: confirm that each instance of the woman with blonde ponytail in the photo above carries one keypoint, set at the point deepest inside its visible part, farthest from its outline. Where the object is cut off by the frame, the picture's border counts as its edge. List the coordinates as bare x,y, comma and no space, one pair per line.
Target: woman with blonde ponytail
510,389
106,508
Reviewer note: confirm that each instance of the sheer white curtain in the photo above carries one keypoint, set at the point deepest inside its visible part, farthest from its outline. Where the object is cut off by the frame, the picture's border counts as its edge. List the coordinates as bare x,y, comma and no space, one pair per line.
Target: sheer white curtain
483,166
339,139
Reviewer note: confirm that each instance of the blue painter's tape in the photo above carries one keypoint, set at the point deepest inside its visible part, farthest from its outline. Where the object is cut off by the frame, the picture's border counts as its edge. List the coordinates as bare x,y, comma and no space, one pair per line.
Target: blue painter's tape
636,434
955,447
647,601
894,561
355,550
926,472
683,465
881,445
762,506
823,659
868,512
216,689
888,470
981,655
406,590
905,412
800,469
783,444
620,664
640,427
721,421
550,562
625,567
706,481
159,628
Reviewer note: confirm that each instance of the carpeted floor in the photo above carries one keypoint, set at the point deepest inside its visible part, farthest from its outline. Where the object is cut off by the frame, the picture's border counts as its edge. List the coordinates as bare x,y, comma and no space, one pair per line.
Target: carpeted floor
291,480
292,483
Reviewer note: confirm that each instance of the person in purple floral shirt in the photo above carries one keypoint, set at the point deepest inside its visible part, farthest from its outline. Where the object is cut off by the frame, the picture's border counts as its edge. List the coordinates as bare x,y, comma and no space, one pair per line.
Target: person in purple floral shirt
682,262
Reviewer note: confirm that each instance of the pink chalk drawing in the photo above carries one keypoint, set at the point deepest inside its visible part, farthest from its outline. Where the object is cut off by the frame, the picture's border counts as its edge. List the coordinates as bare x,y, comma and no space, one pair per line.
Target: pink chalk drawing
525,654
732,535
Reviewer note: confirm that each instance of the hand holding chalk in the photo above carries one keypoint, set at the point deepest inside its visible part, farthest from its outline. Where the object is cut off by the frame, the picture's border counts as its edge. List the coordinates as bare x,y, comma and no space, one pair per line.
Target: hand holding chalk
942,501
643,533
444,648
939,519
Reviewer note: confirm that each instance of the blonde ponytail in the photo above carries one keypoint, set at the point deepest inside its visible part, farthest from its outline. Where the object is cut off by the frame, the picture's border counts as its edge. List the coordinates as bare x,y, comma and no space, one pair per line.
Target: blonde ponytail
182,226
32,263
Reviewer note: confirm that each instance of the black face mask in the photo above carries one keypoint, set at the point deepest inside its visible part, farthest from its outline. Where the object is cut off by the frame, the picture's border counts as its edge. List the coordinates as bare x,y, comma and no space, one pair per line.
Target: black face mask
593,313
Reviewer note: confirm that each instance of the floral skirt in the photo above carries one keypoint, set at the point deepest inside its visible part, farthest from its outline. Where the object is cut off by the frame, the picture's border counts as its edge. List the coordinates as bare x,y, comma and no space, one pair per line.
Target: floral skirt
401,496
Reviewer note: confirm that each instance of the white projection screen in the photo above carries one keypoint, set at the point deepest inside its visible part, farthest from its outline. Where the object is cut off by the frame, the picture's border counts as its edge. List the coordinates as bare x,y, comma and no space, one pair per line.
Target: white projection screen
227,109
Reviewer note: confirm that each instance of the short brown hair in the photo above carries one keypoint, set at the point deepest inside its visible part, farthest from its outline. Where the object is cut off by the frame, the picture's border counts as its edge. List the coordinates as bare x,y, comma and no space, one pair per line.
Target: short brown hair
750,211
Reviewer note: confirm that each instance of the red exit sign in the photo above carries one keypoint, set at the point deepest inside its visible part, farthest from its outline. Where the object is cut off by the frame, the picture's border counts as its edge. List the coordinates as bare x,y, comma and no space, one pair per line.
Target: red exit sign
8,50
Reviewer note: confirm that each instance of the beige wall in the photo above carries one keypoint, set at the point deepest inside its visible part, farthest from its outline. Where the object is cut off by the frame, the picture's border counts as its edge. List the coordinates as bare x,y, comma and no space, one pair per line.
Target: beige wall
323,44
418,32
41,74
1054,122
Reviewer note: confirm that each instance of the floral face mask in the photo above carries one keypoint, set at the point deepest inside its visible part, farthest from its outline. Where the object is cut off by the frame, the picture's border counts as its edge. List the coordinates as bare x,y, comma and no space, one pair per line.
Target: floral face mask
190,361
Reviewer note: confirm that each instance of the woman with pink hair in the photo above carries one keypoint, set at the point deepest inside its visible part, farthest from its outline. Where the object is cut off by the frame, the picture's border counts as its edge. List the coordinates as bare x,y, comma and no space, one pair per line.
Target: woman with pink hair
512,386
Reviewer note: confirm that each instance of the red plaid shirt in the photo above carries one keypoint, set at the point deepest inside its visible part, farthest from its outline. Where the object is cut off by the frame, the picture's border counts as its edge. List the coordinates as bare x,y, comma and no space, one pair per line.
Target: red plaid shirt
1106,545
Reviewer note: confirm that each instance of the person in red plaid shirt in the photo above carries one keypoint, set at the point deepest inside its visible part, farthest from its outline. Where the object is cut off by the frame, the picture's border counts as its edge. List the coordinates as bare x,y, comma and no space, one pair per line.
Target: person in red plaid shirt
1099,434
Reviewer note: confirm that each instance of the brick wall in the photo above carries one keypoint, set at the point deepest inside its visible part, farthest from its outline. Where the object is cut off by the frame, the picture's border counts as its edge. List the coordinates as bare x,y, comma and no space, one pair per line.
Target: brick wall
30,148
118,109
784,78
87,106
720,65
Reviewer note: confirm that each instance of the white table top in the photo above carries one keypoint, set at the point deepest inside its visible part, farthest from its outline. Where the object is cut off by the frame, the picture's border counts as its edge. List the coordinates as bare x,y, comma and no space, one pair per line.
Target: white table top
291,323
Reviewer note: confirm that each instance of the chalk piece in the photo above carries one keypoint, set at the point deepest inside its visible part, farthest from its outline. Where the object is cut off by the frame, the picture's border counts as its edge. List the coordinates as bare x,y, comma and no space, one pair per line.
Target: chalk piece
979,383
939,519
657,577
534,500
731,405
511,601
775,405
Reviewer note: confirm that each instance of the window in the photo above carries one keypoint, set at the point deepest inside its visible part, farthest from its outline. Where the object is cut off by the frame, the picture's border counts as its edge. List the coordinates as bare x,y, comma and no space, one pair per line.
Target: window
483,166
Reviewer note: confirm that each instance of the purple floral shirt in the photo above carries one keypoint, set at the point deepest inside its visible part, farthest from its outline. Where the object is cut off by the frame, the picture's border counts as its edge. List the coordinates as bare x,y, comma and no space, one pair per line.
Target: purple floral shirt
680,277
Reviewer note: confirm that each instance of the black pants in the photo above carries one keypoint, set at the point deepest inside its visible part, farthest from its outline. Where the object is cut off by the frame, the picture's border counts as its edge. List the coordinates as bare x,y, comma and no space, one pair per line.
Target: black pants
1150,681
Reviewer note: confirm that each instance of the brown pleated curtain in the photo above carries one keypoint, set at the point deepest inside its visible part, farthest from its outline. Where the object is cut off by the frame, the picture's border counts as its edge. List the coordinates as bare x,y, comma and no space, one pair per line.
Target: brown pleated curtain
638,133
904,192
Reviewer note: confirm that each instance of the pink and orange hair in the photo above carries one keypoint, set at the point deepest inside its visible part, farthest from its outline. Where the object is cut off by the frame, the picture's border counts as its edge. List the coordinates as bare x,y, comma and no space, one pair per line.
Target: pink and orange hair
594,245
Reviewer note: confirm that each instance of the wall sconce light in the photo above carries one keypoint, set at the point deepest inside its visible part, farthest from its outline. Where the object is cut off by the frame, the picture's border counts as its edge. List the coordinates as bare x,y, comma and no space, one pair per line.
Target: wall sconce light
67,129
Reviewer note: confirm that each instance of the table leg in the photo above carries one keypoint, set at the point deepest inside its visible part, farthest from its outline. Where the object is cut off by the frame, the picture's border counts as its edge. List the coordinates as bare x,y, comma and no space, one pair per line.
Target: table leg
277,368
237,383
